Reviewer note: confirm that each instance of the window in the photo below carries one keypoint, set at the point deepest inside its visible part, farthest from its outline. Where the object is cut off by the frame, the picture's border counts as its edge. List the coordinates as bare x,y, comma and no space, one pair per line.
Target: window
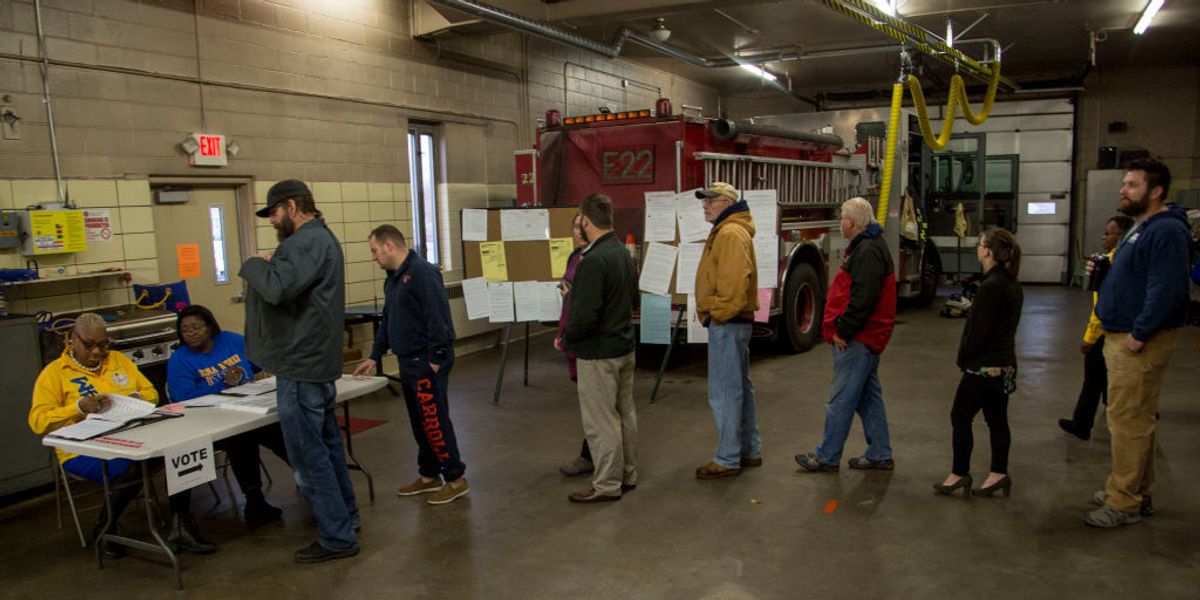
422,172
220,262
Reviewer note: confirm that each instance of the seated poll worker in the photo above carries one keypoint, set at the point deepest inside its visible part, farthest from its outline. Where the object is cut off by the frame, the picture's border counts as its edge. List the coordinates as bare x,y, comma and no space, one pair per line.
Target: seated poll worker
80,382
207,361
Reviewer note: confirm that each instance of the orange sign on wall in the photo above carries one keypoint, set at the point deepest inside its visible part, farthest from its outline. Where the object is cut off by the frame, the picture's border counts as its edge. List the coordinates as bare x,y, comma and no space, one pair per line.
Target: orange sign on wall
188,257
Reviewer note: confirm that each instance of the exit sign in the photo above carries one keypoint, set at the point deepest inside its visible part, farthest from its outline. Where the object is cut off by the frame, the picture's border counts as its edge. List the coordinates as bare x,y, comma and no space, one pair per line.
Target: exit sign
211,152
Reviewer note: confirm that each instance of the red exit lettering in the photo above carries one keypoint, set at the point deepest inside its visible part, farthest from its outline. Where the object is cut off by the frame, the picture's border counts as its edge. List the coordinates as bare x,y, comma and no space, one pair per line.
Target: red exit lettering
210,145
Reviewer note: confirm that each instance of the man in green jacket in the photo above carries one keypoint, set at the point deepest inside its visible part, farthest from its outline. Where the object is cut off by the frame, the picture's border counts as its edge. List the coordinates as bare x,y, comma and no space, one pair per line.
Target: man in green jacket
600,332
295,305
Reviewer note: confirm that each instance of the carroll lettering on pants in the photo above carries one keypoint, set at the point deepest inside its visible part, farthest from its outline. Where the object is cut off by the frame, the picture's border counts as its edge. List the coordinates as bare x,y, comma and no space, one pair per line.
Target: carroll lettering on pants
432,424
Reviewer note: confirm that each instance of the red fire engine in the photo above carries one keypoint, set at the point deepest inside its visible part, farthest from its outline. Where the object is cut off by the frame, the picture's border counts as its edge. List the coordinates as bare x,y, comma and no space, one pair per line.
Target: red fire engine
626,154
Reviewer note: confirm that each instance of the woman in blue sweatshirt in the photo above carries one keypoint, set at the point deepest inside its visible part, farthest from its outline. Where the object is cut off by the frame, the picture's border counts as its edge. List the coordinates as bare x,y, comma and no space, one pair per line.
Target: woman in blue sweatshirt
207,361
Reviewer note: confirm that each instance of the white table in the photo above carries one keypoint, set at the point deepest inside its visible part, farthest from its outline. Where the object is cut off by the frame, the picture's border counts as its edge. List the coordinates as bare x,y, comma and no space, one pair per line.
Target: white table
150,441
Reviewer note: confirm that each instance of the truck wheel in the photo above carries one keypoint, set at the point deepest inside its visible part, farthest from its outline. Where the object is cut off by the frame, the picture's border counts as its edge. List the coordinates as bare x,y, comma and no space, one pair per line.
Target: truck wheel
803,298
931,276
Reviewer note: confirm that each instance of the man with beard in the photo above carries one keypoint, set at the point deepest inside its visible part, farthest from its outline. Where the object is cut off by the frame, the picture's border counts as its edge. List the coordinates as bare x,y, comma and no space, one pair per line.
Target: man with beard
295,303
1142,302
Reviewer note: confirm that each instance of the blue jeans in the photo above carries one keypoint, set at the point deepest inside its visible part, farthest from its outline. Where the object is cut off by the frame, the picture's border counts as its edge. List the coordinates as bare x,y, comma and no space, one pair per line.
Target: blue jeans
731,394
314,446
855,389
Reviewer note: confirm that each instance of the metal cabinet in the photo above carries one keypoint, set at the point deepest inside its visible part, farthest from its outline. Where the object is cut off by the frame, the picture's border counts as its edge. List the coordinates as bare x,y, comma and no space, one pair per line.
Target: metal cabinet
25,459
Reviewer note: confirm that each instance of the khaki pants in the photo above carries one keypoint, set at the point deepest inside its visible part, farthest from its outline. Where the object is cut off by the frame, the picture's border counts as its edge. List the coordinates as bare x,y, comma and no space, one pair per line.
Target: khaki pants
1134,384
609,421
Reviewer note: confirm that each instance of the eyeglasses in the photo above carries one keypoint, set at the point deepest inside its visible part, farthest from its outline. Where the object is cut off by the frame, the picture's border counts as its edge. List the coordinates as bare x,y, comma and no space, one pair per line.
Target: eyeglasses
90,345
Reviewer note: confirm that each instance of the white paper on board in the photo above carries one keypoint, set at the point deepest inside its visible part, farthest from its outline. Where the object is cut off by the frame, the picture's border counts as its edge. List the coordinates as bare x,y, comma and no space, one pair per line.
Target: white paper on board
657,268
474,225
500,302
689,262
475,293
690,210
523,225
660,216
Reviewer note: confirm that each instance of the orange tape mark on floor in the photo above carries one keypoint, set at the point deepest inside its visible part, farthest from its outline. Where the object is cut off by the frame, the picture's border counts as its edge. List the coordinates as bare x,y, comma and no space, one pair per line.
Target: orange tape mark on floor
830,506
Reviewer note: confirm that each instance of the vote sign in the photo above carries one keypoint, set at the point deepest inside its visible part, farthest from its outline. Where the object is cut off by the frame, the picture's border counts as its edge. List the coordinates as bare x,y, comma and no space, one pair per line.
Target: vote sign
189,465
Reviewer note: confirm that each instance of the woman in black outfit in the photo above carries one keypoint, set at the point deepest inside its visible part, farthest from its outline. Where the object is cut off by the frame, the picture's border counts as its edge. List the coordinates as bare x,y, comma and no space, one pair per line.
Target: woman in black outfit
988,359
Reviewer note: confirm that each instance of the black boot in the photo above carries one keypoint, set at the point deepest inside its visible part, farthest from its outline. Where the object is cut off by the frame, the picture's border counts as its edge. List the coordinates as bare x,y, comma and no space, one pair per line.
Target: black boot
257,510
120,500
184,537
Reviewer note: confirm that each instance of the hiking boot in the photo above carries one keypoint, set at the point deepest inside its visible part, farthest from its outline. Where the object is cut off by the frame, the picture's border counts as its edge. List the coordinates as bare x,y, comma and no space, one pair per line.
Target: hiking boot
809,463
714,471
316,553
751,462
420,486
579,466
450,492
1108,517
863,462
1146,510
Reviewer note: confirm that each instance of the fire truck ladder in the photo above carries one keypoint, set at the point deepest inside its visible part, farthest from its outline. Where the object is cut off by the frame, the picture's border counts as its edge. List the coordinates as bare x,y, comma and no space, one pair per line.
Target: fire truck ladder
797,182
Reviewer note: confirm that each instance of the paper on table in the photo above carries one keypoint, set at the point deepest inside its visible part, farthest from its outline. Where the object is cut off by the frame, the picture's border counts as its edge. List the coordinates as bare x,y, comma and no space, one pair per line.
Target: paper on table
697,333
494,261
766,257
527,296
500,303
763,314
690,210
475,293
660,216
689,261
125,408
764,209
560,253
657,269
525,224
655,321
474,225
550,301
254,388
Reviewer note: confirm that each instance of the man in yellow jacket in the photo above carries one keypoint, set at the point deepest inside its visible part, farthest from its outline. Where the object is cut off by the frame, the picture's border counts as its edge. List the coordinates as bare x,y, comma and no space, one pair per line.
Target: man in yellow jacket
1095,372
78,383
726,298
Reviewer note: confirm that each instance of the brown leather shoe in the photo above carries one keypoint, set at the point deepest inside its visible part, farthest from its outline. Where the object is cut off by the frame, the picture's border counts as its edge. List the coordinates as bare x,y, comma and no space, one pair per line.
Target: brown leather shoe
715,471
591,496
751,462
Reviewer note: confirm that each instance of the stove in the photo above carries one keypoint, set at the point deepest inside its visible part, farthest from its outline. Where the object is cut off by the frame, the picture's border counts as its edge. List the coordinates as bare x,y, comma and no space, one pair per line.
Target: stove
146,337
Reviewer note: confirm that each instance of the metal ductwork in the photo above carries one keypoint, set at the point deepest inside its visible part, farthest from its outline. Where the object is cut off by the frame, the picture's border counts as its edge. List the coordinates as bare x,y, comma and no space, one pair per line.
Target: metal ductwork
611,49
725,129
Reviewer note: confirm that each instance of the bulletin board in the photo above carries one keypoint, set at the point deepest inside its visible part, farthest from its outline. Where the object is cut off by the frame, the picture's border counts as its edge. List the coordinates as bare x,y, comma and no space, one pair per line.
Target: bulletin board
527,260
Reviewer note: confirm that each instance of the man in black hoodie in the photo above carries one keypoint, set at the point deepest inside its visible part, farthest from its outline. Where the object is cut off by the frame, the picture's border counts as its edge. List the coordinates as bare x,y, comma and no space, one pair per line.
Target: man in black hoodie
600,331
1142,303
418,329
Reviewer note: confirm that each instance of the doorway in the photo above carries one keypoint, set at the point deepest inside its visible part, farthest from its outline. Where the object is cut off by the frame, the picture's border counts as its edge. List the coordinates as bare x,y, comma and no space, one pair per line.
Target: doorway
199,241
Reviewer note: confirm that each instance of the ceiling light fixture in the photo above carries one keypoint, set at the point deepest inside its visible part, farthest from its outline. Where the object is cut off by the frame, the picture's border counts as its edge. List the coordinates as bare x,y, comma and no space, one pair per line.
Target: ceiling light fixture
1147,15
888,7
660,33
765,74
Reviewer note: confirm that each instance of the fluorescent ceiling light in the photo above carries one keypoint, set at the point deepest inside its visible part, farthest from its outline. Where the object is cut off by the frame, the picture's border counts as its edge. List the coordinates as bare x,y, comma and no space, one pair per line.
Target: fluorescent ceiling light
760,72
1147,15
889,6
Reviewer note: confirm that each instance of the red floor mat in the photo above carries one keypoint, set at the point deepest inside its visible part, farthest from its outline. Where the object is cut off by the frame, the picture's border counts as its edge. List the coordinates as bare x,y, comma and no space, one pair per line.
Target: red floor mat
358,425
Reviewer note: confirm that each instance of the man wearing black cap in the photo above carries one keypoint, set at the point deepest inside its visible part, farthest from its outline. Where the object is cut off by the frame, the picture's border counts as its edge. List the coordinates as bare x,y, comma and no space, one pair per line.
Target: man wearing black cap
295,303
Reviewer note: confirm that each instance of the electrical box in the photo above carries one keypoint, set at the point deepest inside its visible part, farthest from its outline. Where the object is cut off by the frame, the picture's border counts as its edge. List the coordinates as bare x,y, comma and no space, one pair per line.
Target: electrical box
52,232
10,230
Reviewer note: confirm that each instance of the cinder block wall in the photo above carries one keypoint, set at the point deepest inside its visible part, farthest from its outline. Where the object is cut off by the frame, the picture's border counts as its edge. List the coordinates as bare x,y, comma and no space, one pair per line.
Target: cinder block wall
310,89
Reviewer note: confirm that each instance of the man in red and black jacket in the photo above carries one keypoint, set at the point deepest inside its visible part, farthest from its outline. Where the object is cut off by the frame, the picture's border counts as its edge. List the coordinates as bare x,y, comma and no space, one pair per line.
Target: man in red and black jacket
860,313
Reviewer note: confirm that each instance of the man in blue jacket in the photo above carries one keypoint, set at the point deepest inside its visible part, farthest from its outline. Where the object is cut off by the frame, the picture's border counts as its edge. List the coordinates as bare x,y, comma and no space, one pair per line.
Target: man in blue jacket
1142,302
295,306
418,329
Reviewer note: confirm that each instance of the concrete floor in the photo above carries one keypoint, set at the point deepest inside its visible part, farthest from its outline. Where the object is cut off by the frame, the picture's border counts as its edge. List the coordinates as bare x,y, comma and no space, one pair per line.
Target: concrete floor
765,534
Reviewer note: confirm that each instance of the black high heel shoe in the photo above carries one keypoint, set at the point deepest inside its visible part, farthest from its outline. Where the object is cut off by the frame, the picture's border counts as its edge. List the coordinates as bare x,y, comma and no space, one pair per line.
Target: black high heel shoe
963,483
1004,485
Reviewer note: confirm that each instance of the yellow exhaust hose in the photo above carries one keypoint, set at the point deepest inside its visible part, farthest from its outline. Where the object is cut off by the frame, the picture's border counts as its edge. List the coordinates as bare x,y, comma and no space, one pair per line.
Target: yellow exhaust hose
956,100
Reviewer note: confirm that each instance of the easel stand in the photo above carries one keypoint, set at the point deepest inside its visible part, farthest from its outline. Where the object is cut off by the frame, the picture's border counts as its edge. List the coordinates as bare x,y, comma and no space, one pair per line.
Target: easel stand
667,357
504,361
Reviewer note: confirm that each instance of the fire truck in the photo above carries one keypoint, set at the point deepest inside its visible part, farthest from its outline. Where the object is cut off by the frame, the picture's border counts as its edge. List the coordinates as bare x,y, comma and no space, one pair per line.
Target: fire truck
623,155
